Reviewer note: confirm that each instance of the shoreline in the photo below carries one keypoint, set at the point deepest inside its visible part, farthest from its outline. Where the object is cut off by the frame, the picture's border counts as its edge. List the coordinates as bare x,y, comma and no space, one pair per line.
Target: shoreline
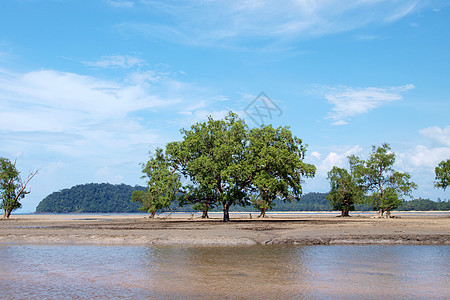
280,228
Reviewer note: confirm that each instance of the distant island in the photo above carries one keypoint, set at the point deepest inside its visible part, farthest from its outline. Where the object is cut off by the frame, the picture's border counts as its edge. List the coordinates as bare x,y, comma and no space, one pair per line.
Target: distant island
110,198
91,198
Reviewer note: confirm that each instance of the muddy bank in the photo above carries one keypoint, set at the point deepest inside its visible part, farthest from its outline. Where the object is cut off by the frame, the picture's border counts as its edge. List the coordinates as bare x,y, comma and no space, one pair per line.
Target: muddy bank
310,230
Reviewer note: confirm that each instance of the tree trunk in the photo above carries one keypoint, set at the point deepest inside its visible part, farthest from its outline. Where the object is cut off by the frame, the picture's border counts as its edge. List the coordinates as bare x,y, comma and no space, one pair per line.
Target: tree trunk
152,214
205,213
344,213
380,213
388,213
7,213
263,213
226,212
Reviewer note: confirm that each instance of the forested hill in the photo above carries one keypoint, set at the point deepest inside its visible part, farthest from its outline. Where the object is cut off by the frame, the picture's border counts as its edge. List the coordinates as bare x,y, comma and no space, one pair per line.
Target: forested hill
91,198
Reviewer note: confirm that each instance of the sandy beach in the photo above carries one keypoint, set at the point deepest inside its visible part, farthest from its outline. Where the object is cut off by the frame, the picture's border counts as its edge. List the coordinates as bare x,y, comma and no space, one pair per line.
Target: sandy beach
310,229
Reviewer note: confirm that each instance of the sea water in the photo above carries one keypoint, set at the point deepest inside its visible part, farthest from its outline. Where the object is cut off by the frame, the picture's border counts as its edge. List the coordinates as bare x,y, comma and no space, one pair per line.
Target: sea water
264,271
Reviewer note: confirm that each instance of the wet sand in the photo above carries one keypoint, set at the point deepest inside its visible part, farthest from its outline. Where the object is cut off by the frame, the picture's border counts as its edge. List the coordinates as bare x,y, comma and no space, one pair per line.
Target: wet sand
311,229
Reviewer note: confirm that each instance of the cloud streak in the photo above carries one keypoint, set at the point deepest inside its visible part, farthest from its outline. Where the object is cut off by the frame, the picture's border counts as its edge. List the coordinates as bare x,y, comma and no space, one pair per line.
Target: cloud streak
120,3
116,61
49,100
232,22
349,102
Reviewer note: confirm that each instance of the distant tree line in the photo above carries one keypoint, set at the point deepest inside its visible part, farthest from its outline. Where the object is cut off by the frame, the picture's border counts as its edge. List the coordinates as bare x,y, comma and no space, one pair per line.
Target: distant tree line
99,198
423,205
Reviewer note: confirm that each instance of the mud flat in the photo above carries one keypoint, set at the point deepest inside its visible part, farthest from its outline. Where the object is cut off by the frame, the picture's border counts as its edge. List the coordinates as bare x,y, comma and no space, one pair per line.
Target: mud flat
282,228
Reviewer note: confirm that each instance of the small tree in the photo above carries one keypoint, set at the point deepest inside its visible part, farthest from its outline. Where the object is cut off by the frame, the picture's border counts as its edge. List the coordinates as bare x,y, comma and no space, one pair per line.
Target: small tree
203,199
345,191
275,158
377,175
261,204
442,172
211,155
163,185
12,187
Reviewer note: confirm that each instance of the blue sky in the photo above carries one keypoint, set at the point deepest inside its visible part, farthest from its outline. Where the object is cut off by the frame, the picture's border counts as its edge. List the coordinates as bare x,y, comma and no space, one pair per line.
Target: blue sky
88,88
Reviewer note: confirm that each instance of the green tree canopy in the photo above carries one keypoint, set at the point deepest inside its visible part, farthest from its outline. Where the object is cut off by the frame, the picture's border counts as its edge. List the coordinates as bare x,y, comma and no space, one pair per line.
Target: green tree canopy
226,163
345,191
163,185
12,188
211,155
442,172
378,176
275,158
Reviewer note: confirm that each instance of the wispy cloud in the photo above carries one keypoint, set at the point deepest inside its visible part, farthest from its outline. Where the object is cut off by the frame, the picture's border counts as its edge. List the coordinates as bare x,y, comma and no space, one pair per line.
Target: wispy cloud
237,22
120,3
77,113
348,102
50,100
116,61
368,37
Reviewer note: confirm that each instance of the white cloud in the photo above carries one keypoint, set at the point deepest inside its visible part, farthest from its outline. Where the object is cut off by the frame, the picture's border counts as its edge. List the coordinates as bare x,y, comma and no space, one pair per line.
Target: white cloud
337,158
348,102
424,157
402,11
316,154
78,115
224,22
437,134
49,100
116,61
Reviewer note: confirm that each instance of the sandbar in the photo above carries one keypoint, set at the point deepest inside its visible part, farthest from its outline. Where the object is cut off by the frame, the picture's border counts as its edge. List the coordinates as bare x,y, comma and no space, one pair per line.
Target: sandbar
182,229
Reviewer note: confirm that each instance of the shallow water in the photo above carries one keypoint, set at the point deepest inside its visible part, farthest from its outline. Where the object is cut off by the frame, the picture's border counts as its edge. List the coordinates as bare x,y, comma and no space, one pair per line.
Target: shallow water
69,271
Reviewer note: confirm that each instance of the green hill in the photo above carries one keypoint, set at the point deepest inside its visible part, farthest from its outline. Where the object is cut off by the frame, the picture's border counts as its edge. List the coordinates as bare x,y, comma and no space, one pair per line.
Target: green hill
91,198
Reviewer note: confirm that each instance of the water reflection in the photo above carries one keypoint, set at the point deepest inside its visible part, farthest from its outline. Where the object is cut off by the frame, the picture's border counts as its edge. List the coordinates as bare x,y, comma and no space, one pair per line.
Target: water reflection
28,271
244,271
